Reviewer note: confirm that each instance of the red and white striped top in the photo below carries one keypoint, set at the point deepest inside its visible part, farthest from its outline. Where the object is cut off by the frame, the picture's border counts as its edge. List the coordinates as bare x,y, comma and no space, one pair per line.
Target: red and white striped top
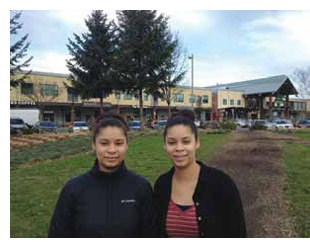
181,224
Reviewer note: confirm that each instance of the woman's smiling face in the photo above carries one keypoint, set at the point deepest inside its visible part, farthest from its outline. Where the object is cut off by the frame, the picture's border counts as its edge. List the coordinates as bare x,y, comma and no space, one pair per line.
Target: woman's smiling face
110,147
181,145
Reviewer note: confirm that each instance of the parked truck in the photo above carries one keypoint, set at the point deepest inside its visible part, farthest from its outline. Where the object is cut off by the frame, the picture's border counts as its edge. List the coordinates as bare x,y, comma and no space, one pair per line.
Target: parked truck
29,116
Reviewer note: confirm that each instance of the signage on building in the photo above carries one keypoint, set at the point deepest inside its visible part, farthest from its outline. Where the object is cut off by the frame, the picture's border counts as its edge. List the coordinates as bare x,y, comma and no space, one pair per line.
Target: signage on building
279,98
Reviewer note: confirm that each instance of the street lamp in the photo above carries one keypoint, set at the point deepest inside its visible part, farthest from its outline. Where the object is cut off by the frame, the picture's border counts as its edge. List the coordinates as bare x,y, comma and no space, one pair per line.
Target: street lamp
192,58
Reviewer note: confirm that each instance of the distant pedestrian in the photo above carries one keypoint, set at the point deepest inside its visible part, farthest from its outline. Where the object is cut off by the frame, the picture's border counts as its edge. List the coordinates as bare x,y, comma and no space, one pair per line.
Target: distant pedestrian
108,200
192,199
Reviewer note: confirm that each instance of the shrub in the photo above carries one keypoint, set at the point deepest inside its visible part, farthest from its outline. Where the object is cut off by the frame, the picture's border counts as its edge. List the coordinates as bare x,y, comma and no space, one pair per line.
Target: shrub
228,125
258,126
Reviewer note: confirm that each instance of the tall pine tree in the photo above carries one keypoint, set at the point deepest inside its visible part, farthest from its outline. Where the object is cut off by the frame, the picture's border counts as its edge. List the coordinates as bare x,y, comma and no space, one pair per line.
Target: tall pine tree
93,56
144,46
18,52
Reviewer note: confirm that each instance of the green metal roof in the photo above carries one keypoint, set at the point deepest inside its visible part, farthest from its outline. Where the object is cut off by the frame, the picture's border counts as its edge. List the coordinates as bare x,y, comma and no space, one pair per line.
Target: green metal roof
258,86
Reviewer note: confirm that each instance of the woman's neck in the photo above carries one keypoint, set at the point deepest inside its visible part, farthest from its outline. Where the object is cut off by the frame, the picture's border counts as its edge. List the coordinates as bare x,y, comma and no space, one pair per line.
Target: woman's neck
188,173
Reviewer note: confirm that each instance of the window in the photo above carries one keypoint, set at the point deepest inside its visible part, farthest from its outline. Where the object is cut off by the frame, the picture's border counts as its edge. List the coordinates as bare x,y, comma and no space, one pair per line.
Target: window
232,102
118,95
127,96
72,96
239,102
191,98
146,96
179,97
205,99
27,88
224,101
49,90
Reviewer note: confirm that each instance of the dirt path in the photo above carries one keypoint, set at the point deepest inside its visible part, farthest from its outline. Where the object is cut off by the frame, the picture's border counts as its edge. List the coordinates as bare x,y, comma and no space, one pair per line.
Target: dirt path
254,161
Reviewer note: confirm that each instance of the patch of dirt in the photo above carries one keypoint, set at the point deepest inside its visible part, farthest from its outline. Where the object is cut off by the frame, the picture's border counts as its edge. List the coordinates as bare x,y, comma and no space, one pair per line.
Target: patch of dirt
254,160
30,140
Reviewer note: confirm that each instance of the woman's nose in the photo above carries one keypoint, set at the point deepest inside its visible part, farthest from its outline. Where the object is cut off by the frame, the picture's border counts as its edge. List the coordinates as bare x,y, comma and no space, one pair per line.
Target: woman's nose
179,146
112,148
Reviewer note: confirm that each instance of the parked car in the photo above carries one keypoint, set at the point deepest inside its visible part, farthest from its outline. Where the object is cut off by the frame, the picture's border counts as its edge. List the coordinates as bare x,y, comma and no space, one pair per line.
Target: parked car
241,122
160,124
303,124
46,126
134,125
17,124
80,126
261,125
197,123
210,124
283,124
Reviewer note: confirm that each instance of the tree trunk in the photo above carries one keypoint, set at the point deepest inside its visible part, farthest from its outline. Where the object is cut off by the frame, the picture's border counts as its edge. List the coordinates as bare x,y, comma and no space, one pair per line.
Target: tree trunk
169,110
40,111
118,109
72,113
101,105
141,110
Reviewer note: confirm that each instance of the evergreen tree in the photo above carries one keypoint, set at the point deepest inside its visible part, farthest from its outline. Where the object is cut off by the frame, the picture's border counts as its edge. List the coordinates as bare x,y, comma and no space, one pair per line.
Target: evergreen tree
144,46
18,51
93,56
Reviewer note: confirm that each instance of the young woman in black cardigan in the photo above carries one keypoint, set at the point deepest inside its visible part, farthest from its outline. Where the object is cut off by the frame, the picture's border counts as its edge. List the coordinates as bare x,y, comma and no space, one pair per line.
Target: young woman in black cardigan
192,199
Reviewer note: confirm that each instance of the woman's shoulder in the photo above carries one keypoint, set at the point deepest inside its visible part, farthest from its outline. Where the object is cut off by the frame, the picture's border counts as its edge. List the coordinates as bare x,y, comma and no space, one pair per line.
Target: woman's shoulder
76,183
164,179
133,177
214,175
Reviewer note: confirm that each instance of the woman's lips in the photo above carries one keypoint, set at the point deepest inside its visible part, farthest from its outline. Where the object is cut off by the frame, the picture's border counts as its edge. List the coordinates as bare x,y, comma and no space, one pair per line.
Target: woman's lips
179,158
111,158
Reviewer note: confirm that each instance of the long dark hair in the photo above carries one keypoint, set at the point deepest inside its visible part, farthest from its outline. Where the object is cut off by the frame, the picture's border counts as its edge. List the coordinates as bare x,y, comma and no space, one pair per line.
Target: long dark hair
109,120
184,117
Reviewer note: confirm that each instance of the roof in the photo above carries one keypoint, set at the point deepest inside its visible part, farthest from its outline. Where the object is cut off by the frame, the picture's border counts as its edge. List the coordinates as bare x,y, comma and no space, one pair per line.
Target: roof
51,74
257,86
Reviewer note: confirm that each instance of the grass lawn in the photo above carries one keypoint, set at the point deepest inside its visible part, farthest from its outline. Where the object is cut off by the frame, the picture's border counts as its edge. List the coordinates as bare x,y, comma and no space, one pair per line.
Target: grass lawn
35,188
301,133
297,167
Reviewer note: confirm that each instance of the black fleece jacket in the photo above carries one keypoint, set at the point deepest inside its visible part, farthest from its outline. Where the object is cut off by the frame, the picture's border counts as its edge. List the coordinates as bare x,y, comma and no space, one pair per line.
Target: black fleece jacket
98,204
218,205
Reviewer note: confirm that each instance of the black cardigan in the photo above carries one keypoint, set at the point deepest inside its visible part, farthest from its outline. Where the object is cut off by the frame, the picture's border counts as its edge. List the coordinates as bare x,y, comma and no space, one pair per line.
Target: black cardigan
218,205
99,204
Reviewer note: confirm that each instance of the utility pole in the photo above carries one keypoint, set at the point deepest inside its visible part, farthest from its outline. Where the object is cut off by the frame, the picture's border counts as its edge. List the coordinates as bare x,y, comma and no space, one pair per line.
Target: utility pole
192,91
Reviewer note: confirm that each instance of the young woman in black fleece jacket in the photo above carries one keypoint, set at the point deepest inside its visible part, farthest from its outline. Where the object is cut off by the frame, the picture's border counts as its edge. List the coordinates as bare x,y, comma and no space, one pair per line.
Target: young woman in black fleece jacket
108,201
192,199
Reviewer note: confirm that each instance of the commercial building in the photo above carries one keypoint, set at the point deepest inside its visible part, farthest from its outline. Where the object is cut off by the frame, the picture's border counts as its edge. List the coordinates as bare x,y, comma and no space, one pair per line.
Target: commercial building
264,98
52,95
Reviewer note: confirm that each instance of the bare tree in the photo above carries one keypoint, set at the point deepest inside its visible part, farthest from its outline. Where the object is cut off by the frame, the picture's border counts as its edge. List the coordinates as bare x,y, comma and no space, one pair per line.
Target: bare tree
174,70
37,95
302,77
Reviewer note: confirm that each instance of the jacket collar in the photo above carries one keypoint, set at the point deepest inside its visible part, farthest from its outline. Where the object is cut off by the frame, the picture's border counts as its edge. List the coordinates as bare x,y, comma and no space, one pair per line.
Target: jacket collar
95,171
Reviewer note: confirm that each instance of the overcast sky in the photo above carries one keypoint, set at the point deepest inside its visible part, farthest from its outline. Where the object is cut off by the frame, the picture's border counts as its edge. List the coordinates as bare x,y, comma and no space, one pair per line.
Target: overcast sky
228,46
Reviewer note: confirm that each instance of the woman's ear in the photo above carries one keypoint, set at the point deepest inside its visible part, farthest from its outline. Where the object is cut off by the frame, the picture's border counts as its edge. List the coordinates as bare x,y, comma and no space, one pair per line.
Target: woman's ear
165,148
197,145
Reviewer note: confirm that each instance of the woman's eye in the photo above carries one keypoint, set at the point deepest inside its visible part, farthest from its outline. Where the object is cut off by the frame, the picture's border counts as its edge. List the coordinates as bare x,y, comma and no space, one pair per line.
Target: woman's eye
171,143
186,141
